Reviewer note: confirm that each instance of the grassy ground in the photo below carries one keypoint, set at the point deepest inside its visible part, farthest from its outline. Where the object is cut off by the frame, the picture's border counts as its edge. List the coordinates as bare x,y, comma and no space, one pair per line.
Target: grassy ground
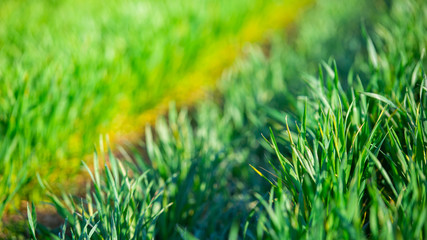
70,70
300,144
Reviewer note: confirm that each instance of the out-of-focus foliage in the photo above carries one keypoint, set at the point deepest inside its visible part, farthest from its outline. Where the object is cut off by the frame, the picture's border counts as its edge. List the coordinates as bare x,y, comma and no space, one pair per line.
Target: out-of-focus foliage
70,70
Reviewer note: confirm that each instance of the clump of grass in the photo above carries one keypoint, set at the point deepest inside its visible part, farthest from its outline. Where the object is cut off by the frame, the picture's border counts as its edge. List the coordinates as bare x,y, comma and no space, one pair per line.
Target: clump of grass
354,166
120,206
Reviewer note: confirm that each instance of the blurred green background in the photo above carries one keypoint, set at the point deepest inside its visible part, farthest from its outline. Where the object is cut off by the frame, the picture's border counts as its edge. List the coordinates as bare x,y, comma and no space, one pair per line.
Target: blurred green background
71,70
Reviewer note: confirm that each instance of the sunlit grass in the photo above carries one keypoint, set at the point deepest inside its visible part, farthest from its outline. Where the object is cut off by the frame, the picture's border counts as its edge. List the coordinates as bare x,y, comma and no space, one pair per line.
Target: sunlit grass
71,70
353,166
296,147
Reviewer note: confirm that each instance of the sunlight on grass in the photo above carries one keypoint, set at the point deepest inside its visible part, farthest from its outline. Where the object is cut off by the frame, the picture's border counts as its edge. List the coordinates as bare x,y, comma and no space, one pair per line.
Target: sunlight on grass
75,69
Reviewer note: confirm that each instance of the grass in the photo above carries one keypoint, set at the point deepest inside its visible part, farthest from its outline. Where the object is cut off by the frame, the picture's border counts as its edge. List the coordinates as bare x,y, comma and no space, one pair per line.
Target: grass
132,215
353,167
71,70
300,145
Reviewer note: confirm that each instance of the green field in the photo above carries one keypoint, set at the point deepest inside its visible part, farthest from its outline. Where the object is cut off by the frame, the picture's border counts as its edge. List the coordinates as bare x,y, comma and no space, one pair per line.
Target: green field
71,70
317,132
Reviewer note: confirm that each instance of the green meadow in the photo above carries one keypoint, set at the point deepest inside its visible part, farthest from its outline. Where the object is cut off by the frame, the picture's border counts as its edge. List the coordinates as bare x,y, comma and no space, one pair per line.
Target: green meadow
72,70
213,119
